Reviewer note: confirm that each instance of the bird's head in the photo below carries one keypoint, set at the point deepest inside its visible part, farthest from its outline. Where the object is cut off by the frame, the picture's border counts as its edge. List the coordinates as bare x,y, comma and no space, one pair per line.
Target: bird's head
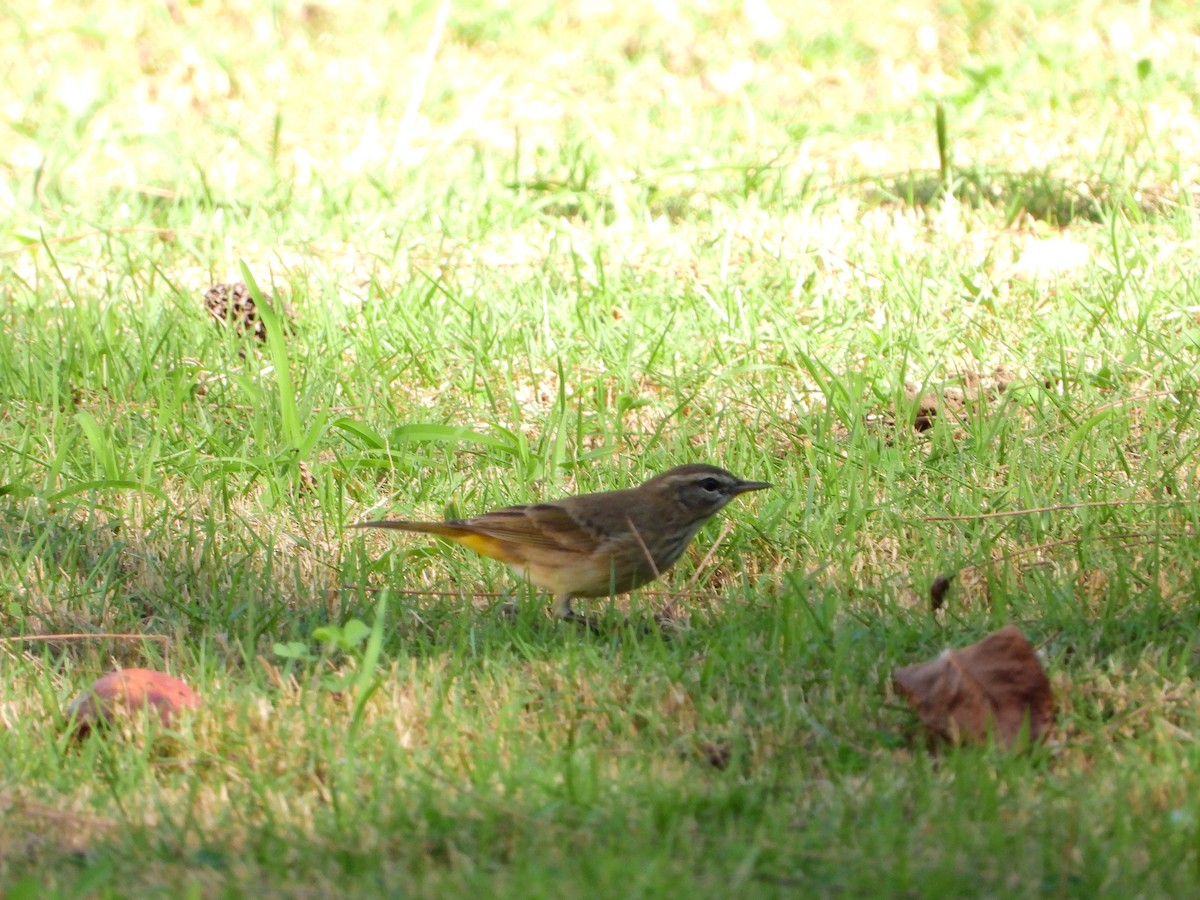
701,490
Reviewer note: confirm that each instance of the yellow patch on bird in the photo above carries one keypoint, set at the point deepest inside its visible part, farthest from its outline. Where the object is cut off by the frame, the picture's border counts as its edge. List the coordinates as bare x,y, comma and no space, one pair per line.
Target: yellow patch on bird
488,546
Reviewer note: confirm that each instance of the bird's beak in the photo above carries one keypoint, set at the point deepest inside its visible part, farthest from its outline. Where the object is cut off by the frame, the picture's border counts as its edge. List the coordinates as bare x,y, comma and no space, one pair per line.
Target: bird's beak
743,487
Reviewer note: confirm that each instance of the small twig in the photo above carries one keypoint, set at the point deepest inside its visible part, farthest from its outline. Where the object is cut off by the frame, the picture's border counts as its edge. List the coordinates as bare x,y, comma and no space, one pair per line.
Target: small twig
494,595
1065,542
1134,538
1134,398
1006,514
642,544
86,636
10,804
1138,712
725,529
413,592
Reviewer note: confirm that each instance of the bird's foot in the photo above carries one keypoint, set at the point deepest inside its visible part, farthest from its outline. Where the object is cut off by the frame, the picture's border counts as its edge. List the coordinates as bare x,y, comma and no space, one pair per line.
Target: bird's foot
569,615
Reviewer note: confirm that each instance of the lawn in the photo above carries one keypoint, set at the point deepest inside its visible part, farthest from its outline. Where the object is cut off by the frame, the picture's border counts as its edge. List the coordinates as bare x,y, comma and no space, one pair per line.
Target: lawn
931,269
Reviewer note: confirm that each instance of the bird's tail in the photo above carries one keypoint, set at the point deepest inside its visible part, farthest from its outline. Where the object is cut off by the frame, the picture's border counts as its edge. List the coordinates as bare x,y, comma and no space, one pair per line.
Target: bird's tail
441,529
461,533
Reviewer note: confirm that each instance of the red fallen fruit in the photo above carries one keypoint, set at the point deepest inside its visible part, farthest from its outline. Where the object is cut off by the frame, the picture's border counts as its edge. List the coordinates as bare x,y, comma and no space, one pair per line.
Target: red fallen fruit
126,692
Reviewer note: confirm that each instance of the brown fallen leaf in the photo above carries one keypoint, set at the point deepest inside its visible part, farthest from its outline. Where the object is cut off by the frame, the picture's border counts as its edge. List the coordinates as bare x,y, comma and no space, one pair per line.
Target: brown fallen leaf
992,688
126,692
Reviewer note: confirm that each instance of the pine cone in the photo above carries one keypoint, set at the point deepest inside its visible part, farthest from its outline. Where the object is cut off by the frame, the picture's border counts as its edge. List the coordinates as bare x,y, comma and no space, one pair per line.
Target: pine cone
231,304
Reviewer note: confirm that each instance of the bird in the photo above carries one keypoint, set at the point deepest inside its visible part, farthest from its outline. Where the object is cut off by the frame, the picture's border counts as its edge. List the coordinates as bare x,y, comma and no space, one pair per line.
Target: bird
595,545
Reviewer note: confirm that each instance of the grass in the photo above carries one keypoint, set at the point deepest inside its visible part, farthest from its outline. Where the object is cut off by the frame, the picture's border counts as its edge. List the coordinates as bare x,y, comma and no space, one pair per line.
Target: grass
571,249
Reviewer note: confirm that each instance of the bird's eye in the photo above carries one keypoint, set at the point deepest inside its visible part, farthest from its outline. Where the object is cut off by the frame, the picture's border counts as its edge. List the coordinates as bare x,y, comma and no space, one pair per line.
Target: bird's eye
710,484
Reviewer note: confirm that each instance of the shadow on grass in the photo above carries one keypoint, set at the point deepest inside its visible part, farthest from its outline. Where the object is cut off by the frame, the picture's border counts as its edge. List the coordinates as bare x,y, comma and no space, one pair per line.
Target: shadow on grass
1038,193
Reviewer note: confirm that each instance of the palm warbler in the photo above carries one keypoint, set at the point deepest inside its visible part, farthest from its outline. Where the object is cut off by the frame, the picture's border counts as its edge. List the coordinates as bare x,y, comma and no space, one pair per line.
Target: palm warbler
596,545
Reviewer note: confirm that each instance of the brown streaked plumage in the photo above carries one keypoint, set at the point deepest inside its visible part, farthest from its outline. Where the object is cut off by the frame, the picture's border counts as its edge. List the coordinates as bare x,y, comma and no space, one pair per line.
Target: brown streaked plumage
596,545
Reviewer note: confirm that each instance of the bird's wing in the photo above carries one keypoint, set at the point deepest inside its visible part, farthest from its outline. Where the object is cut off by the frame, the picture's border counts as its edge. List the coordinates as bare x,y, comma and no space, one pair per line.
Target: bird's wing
541,524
